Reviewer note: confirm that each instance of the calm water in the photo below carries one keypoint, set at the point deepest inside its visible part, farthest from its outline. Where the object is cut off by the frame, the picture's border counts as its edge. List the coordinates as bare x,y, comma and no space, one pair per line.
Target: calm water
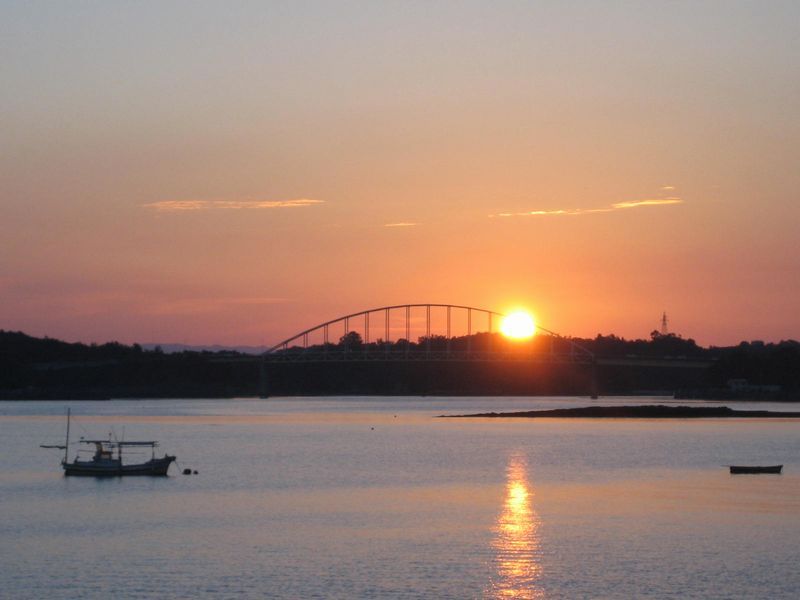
377,498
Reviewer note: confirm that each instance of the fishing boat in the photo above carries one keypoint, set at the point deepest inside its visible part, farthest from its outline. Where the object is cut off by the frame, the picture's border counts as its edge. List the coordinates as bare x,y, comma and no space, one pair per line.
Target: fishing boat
741,470
107,459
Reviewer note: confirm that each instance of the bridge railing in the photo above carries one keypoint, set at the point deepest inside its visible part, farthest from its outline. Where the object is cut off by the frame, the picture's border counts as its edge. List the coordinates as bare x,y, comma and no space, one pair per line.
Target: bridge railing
423,356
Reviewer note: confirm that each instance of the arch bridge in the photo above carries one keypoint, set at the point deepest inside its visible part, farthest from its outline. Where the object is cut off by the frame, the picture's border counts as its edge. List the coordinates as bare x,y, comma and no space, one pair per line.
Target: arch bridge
385,333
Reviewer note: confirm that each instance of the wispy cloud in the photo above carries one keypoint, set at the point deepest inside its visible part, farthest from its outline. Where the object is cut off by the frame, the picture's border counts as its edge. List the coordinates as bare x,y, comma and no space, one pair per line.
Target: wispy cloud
667,188
588,211
540,213
194,205
401,224
651,202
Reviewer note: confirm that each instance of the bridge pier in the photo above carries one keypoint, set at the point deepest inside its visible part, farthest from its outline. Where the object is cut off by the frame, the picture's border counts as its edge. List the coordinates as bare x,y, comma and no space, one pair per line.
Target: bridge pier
263,390
593,380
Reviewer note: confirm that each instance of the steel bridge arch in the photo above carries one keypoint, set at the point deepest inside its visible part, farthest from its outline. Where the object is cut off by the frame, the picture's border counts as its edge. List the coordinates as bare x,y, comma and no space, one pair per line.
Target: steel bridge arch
386,310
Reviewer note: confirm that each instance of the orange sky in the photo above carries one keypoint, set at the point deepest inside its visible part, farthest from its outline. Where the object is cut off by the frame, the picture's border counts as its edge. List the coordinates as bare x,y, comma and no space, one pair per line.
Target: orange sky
234,175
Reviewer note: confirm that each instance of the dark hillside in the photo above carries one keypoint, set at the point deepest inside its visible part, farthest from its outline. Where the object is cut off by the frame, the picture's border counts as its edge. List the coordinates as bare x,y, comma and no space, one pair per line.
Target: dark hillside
37,368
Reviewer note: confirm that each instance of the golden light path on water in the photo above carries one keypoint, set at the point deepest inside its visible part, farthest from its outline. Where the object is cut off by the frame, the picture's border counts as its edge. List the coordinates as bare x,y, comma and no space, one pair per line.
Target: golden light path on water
516,541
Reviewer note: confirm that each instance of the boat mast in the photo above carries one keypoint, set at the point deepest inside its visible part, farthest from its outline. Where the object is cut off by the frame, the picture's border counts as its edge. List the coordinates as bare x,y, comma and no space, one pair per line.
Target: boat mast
66,444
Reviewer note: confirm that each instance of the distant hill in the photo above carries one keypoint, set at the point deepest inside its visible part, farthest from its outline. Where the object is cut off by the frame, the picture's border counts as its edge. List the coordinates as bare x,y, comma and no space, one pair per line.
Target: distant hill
43,368
23,348
172,348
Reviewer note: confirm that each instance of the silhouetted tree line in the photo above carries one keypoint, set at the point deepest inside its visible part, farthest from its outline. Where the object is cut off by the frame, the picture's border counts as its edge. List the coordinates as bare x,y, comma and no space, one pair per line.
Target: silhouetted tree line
658,345
759,364
47,368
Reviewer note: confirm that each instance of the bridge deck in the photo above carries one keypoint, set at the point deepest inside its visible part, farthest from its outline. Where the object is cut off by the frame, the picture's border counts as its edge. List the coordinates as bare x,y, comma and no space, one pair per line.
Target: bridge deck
444,356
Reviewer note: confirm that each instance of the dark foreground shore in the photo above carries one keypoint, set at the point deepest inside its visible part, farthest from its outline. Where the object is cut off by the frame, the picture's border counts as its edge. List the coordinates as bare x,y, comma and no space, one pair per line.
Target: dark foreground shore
640,412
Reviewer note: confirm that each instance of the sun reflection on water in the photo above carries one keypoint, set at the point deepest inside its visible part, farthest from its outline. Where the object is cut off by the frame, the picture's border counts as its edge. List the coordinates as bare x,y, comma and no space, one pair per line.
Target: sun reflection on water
516,540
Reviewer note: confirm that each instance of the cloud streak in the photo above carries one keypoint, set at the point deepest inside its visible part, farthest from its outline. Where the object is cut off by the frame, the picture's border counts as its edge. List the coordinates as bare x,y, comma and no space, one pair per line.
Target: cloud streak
201,205
653,202
589,211
401,224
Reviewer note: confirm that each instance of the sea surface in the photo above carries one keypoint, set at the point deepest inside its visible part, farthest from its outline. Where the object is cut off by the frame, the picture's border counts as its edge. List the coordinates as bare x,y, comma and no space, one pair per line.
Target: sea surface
342,497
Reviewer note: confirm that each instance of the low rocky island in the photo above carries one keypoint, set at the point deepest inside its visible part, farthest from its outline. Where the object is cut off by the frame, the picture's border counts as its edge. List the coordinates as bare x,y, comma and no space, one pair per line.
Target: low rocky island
659,411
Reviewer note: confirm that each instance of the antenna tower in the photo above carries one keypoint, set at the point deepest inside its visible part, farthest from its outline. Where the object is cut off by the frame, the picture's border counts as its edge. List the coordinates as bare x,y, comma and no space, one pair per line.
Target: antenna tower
664,322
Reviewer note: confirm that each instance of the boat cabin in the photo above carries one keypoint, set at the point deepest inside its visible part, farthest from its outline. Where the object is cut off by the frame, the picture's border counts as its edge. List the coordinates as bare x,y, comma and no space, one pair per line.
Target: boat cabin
101,452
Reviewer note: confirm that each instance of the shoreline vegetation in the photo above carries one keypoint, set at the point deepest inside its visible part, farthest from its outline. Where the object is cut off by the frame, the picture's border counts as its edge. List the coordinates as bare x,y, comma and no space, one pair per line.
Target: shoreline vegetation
652,411
48,369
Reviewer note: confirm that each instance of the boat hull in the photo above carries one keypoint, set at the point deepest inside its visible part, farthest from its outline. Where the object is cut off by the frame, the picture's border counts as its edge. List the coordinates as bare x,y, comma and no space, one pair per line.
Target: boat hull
744,470
156,467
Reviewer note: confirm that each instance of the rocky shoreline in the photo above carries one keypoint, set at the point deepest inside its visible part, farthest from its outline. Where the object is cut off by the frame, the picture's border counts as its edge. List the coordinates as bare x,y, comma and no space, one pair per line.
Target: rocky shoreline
659,411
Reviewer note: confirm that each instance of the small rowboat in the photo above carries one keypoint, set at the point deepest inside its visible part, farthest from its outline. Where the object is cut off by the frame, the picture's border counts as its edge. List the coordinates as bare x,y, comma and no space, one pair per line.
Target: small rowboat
740,470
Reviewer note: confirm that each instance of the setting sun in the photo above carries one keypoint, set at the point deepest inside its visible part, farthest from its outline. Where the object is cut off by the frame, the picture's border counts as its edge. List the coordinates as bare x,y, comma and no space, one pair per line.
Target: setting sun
518,325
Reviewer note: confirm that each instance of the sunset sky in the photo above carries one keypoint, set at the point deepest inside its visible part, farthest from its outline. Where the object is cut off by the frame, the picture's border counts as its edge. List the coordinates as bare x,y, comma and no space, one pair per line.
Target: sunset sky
214,172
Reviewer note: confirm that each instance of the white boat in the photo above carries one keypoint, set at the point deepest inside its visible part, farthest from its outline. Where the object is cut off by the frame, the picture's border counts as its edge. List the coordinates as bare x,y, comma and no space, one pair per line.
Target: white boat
108,462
